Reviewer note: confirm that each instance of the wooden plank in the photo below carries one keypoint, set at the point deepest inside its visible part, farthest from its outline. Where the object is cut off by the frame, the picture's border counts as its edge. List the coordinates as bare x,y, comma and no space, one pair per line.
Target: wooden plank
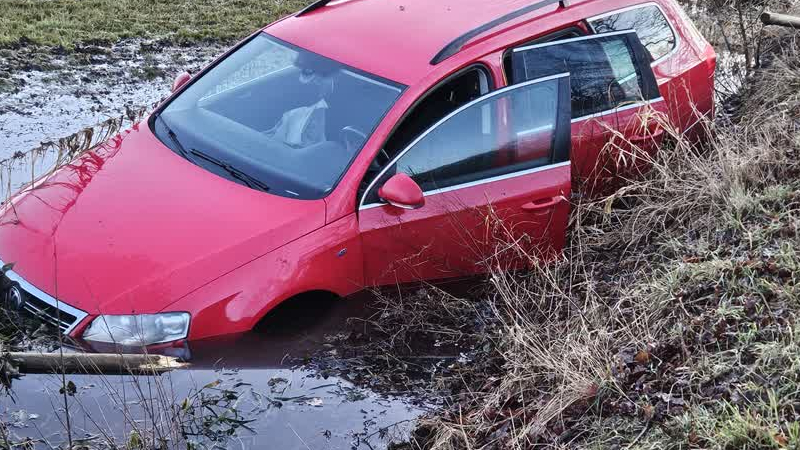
94,363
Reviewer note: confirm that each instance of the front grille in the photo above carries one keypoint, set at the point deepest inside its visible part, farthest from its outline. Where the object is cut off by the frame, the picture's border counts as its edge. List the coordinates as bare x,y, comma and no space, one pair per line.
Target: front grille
43,305
49,313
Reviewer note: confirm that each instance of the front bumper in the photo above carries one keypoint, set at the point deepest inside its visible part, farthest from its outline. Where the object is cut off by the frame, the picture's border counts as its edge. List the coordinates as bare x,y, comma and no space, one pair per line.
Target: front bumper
45,306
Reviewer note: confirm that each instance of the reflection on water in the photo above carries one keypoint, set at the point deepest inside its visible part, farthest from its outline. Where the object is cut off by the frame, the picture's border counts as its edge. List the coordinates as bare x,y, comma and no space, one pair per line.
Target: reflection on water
292,407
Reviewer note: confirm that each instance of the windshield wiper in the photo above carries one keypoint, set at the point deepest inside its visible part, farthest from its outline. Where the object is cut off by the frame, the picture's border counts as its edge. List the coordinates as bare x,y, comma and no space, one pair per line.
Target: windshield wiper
249,180
234,172
174,137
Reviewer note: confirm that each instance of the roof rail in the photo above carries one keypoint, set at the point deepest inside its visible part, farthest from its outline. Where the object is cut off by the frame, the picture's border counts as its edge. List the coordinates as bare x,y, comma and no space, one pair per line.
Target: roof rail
458,43
313,7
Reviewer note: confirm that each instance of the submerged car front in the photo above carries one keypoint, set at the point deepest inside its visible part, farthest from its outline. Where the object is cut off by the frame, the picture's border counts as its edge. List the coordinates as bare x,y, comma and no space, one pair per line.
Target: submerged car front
234,167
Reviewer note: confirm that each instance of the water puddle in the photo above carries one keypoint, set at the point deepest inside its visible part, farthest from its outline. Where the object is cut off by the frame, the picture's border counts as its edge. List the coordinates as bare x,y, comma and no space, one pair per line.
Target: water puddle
282,408
253,378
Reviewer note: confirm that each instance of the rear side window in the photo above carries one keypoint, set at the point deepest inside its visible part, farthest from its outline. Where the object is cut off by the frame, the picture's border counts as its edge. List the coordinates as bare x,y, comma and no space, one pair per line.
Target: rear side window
472,144
603,69
649,22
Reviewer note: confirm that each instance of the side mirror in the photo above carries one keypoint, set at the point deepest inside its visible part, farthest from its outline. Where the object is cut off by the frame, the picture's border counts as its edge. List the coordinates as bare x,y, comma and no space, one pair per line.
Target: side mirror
403,192
180,80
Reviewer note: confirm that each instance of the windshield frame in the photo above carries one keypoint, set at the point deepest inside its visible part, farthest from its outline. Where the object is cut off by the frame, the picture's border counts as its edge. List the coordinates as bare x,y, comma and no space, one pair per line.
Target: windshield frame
402,88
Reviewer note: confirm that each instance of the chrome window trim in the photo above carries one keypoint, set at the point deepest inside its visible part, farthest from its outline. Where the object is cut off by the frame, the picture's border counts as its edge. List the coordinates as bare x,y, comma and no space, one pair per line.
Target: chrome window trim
535,130
47,298
480,182
575,39
445,119
675,34
618,109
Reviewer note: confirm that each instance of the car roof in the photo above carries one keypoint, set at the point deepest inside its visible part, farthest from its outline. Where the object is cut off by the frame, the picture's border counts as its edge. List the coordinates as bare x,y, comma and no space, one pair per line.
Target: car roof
396,39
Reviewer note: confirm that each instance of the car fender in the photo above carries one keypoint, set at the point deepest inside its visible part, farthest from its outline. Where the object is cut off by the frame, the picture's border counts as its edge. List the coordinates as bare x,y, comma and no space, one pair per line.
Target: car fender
328,259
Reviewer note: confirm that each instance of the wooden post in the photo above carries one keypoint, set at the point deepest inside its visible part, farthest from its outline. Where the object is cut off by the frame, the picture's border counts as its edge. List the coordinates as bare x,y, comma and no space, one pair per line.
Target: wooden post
94,363
783,20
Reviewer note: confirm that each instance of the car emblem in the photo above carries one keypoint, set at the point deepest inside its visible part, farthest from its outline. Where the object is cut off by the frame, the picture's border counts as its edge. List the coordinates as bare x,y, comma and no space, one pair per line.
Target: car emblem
15,298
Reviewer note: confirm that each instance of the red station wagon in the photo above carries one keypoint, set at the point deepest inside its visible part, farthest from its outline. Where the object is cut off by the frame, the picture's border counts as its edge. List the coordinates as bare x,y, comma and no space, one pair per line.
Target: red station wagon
356,143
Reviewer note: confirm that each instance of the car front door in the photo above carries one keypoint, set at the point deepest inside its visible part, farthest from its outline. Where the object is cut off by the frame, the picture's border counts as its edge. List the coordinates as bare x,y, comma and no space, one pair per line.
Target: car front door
616,105
495,175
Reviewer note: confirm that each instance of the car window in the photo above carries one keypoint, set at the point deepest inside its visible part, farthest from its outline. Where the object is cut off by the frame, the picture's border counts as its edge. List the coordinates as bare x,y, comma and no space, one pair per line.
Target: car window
443,100
622,66
603,71
464,147
650,24
277,116
560,35
456,91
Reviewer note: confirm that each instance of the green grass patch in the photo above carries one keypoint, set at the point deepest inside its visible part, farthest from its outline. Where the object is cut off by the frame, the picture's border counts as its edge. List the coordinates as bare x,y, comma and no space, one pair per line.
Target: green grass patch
75,22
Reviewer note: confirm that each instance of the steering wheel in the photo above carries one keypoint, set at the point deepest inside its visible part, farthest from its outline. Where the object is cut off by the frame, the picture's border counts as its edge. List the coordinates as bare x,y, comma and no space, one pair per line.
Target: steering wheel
352,137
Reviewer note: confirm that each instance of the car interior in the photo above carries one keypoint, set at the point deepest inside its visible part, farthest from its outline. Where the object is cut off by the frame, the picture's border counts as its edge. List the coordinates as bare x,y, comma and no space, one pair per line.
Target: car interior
354,105
455,93
441,101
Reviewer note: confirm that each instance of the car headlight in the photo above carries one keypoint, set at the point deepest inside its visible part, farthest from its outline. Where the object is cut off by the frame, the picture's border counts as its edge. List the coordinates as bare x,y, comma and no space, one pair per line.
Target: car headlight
144,329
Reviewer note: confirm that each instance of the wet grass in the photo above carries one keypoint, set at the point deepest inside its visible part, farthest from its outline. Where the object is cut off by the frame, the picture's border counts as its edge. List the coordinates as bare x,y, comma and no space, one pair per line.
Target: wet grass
75,23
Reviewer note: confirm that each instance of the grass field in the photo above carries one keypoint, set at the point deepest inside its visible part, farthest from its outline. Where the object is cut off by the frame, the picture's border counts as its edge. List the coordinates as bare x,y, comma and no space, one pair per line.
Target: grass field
69,23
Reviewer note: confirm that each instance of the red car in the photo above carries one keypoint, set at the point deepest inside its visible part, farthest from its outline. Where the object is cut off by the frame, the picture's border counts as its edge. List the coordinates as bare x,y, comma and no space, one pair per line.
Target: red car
355,143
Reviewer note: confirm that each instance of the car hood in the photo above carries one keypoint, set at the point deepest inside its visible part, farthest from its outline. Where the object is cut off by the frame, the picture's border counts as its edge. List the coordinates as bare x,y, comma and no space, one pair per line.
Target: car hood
132,227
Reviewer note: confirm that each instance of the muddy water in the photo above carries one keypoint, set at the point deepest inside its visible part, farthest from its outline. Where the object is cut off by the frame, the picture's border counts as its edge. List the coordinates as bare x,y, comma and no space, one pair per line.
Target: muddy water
291,406
289,409
80,90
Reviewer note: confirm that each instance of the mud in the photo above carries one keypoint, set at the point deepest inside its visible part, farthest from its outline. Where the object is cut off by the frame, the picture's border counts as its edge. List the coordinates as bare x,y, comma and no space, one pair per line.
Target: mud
47,94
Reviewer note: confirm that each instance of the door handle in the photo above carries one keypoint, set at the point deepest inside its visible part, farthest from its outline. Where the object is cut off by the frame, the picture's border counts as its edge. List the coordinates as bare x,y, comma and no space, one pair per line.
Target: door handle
539,205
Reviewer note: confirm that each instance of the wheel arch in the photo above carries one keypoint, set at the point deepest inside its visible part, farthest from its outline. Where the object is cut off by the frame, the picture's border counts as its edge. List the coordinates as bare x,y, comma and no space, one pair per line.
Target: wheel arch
323,295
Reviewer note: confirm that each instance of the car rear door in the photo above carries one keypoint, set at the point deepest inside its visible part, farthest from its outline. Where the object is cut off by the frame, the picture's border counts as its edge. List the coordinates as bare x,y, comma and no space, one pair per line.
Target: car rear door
682,60
496,178
616,102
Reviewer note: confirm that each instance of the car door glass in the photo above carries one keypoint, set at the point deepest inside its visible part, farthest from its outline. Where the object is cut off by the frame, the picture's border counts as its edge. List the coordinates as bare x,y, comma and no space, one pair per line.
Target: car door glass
622,66
443,100
455,92
649,22
560,35
604,69
472,144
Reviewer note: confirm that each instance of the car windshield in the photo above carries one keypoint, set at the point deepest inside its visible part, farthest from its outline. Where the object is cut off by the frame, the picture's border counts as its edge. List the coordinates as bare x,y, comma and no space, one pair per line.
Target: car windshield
276,117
